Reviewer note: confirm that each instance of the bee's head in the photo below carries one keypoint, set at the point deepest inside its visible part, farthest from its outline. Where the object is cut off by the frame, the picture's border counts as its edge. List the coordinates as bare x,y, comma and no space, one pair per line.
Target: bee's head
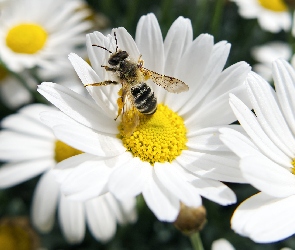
117,57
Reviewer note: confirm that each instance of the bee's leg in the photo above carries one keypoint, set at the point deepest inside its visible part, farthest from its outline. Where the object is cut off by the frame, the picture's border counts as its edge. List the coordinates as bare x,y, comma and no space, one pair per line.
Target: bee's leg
108,82
107,68
140,61
120,103
120,106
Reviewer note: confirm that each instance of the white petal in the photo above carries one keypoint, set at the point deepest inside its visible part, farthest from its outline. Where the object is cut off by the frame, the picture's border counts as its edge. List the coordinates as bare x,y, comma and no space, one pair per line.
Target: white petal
89,76
86,74
81,137
254,130
285,87
206,140
99,56
269,115
88,179
124,210
22,123
150,42
222,167
14,173
179,36
229,79
214,68
127,43
215,191
261,172
175,182
78,107
100,218
64,168
238,143
33,110
72,219
164,205
129,179
190,69
215,109
45,202
89,141
221,244
17,147
265,219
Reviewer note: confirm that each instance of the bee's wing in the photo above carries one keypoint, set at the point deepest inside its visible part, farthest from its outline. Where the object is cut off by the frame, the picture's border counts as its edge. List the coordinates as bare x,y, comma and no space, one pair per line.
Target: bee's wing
169,83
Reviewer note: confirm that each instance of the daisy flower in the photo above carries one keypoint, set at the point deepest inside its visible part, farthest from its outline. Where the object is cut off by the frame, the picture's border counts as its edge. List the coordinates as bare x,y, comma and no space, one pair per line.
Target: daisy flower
268,53
272,15
38,33
267,156
174,155
29,148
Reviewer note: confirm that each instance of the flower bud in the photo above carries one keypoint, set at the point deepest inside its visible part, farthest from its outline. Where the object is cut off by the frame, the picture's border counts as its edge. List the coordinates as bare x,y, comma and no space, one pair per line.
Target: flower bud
190,219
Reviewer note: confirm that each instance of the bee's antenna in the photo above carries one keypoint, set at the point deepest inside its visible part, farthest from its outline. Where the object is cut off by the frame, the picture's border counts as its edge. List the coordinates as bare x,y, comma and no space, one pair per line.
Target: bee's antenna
103,48
116,41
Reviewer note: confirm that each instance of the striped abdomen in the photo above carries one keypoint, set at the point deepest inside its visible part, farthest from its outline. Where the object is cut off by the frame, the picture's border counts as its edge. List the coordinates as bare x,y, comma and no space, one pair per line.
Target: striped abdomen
144,99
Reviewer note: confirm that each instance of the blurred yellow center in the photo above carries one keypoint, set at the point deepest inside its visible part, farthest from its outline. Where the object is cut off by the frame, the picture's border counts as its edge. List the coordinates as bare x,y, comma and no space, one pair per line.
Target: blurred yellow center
274,5
14,237
3,72
64,151
26,38
293,169
157,138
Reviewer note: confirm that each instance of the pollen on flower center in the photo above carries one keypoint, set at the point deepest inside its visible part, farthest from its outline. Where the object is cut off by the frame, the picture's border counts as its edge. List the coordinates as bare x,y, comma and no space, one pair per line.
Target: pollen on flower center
64,151
274,5
27,38
158,138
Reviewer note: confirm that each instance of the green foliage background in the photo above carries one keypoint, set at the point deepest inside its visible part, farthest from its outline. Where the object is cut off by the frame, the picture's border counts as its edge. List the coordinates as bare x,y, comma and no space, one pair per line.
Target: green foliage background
221,19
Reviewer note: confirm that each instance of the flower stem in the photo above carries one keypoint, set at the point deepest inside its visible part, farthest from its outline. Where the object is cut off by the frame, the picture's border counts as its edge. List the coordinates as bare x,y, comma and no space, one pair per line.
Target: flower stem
196,241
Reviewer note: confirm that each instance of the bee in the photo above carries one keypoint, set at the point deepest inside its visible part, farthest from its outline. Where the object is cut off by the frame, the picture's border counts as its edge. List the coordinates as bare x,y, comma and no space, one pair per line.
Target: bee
135,94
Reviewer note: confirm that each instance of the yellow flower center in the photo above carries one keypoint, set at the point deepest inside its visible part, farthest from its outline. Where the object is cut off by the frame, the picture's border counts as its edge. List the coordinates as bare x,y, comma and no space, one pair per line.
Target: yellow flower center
157,138
64,151
274,5
27,38
3,73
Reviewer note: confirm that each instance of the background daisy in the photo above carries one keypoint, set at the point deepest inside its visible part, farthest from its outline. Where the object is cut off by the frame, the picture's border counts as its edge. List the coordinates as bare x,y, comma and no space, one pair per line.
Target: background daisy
272,15
266,54
190,174
267,157
30,148
37,33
